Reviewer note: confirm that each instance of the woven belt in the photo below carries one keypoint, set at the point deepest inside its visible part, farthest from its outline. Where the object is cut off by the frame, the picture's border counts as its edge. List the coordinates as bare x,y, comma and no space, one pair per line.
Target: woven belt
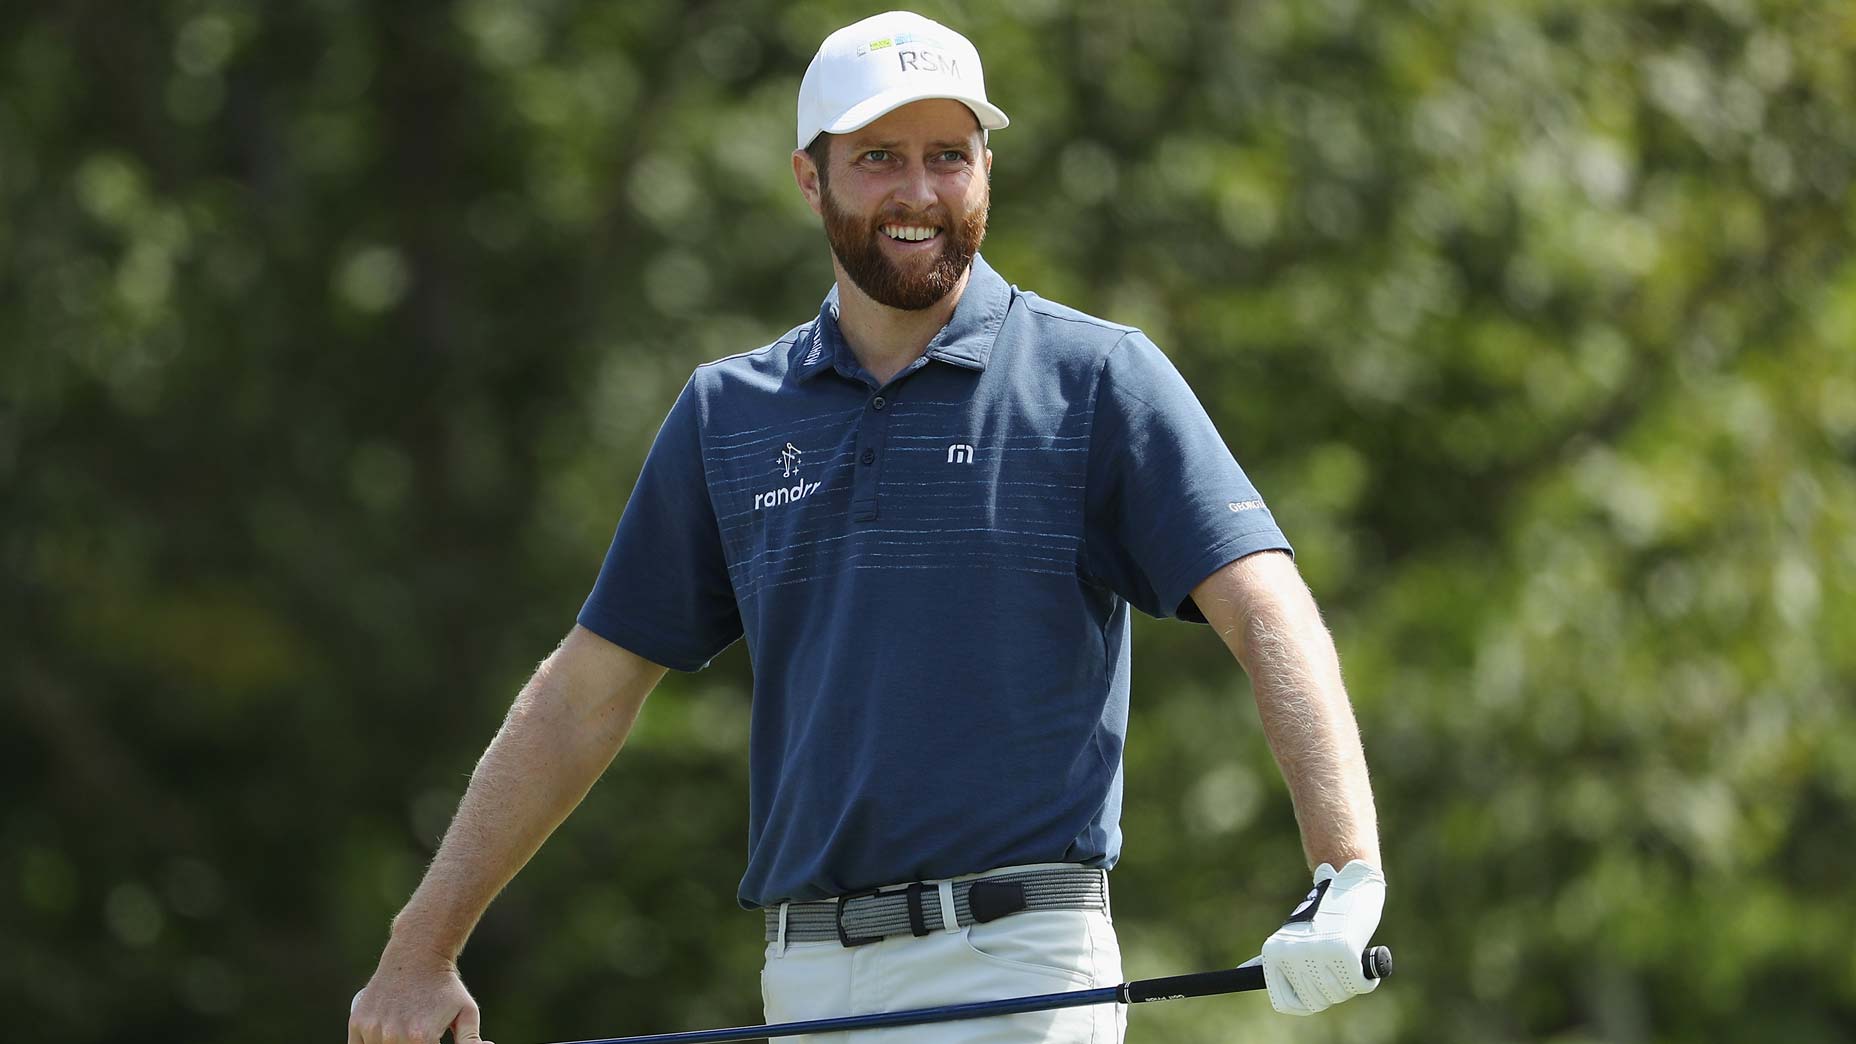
867,917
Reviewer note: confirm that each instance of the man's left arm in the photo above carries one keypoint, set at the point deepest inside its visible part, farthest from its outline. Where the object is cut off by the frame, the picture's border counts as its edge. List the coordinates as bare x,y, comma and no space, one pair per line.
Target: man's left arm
1268,619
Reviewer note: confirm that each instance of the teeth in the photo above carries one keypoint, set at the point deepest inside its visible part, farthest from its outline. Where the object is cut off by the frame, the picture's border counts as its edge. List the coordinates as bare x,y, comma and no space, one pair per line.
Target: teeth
910,233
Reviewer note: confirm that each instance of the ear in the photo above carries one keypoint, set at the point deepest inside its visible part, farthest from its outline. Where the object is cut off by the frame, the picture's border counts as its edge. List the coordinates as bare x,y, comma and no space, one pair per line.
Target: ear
988,164
805,172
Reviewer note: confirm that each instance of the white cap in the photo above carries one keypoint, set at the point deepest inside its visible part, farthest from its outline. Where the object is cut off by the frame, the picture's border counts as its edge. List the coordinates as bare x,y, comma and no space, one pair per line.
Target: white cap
884,62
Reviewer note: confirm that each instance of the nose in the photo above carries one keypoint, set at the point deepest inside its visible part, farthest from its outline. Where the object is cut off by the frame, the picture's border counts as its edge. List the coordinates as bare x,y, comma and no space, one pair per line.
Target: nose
916,191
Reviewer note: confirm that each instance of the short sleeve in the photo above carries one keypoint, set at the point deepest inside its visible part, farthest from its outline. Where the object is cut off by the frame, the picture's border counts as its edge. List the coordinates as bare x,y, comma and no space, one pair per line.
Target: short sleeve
664,591
1167,502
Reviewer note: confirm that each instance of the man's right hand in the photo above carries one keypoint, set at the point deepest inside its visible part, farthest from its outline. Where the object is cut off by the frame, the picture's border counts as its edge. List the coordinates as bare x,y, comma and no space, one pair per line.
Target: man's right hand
413,1000
560,734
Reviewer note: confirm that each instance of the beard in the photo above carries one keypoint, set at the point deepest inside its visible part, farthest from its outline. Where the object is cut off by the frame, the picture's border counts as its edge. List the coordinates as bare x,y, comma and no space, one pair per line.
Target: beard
855,242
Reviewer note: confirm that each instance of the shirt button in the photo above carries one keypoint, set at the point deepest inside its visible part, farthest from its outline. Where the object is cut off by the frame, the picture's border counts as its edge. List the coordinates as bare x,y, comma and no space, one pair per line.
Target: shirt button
878,403
869,456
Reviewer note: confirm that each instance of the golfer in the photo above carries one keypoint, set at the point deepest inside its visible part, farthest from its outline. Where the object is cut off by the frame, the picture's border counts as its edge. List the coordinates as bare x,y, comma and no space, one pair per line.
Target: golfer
930,511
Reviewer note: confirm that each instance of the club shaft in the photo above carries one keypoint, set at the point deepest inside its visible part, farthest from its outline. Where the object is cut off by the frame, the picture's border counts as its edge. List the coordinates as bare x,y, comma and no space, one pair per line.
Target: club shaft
1376,962
878,1020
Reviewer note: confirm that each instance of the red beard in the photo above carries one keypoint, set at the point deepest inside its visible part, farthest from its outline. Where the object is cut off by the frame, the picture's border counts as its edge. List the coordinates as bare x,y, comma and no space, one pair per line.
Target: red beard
854,241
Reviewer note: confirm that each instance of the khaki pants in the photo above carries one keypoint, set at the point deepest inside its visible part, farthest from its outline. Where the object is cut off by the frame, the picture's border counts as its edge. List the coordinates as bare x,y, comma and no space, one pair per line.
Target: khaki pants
1034,952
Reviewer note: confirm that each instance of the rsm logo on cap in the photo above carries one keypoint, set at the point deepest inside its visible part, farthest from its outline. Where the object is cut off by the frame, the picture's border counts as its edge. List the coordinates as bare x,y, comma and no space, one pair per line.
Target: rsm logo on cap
914,53
922,60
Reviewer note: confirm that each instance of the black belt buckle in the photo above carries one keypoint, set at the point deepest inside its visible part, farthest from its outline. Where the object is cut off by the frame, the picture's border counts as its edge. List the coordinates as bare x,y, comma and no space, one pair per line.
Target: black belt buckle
846,938
989,900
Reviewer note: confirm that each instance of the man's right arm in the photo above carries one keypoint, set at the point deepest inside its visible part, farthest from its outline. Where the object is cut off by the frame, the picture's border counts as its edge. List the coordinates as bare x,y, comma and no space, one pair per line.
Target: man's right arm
564,728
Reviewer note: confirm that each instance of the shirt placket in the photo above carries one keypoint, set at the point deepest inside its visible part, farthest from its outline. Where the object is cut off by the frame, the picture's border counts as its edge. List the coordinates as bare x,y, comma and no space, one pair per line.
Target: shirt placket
872,436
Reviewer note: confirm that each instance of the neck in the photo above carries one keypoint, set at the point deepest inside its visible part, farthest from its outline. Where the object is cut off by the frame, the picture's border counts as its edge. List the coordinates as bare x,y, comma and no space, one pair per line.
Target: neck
884,339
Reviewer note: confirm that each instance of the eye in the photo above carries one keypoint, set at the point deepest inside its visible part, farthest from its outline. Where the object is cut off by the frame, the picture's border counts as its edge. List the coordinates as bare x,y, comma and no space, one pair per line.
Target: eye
953,156
877,155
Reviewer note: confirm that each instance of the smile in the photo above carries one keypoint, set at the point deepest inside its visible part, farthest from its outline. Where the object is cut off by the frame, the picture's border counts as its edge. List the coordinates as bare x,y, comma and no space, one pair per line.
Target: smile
910,233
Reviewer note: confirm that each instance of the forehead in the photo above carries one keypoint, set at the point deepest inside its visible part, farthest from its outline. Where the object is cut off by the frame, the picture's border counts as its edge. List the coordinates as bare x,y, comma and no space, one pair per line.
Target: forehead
930,120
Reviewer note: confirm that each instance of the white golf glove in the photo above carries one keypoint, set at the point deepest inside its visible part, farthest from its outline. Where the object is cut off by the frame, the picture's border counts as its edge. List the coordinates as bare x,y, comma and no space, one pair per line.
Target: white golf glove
1313,960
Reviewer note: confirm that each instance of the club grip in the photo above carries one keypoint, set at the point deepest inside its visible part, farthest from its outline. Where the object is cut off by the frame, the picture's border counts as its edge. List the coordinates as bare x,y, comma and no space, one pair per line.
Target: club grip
1198,984
1376,962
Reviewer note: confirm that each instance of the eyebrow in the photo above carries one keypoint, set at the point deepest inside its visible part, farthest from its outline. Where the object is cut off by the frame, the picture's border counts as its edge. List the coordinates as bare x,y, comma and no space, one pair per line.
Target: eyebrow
892,145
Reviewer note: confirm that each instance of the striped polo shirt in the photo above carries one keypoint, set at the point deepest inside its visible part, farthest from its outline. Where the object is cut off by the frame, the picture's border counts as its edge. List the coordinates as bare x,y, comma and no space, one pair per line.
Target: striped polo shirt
933,576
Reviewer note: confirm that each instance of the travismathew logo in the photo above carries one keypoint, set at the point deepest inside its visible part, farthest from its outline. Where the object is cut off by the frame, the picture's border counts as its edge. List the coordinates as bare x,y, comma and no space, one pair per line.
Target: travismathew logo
789,469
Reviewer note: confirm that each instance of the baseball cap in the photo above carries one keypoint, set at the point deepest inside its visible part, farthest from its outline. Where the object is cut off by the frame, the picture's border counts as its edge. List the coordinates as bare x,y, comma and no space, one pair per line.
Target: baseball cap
884,62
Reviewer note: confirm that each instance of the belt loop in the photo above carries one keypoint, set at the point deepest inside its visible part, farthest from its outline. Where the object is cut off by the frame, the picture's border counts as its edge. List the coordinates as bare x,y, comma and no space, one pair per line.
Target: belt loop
918,922
948,920
780,940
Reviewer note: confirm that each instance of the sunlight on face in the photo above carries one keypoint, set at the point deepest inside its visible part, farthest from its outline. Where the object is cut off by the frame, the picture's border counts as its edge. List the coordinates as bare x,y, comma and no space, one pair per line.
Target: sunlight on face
905,200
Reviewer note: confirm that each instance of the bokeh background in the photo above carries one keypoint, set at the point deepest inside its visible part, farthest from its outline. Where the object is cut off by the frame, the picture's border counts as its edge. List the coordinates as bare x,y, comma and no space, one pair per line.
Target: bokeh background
333,334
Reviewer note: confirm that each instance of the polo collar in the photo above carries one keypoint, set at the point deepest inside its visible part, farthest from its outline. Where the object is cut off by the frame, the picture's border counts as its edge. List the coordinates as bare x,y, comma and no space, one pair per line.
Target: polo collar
966,341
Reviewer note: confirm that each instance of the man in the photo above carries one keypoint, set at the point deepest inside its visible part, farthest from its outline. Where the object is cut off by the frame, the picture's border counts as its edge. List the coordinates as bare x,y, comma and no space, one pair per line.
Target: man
929,511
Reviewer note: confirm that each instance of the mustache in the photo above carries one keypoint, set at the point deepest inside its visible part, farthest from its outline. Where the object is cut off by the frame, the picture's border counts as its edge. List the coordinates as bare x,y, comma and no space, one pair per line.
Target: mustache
937,219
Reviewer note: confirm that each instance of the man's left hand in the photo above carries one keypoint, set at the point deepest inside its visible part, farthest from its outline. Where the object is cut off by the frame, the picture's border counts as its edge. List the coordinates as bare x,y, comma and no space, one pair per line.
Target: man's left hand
1313,960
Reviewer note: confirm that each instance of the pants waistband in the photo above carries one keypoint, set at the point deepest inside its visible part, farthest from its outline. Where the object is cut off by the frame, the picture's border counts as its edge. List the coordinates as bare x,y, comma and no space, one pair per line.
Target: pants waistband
925,906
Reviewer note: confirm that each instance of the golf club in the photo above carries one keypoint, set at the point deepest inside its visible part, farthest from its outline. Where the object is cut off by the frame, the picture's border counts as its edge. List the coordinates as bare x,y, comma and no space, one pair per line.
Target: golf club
1376,962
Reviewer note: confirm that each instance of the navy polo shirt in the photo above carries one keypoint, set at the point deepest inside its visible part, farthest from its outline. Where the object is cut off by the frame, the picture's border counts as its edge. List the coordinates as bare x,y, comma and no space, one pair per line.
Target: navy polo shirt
933,577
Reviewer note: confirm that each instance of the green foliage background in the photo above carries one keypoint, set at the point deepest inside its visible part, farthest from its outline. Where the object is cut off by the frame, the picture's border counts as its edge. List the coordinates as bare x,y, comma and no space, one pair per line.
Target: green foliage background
332,336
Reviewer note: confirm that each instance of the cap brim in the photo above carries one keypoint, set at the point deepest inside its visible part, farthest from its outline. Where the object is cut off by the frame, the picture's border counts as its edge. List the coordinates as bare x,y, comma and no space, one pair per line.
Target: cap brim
874,108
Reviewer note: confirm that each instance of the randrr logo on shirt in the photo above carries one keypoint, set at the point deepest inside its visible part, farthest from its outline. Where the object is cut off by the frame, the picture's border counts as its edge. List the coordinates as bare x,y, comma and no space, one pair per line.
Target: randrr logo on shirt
789,460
